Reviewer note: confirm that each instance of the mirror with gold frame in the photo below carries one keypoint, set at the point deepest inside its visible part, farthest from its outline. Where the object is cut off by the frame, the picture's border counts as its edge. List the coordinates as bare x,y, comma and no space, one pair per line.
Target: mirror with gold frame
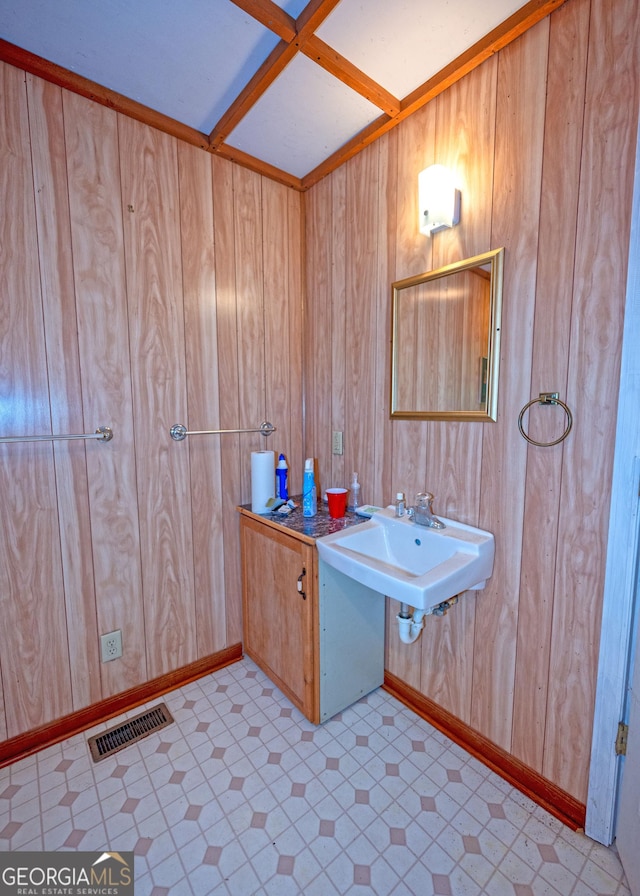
445,341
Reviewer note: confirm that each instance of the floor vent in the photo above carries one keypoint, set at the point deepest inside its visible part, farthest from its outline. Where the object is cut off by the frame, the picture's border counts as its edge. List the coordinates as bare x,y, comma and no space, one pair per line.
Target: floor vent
103,745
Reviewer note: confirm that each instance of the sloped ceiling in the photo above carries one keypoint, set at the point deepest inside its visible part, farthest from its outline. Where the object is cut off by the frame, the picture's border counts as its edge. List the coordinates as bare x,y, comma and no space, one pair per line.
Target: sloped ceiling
289,88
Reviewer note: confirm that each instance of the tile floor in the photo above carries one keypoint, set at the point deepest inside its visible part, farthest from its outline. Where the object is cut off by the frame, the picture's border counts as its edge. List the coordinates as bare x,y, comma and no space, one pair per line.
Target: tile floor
244,796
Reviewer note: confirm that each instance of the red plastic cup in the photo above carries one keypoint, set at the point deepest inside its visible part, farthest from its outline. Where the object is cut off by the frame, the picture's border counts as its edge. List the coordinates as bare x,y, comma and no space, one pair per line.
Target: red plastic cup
337,498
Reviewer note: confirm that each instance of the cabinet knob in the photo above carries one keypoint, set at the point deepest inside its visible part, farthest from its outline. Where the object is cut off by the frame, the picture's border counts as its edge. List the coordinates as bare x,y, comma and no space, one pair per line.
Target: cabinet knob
300,578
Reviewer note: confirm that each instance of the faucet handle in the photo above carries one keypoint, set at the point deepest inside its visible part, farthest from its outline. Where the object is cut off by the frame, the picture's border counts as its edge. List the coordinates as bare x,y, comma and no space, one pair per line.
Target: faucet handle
424,511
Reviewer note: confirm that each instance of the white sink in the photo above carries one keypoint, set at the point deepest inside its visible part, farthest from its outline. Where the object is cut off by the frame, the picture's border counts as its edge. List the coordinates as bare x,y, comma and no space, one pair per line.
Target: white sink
414,564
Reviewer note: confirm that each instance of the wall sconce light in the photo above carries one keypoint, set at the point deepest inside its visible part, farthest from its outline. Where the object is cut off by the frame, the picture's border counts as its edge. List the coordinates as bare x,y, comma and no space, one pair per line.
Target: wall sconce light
438,200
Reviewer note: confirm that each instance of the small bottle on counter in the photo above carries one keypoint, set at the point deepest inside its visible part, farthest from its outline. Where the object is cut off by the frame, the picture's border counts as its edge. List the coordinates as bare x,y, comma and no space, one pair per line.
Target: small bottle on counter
400,505
309,494
354,493
281,475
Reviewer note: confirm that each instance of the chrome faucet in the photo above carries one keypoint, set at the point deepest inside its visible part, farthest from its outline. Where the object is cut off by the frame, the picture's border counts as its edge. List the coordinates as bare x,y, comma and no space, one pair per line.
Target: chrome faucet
422,512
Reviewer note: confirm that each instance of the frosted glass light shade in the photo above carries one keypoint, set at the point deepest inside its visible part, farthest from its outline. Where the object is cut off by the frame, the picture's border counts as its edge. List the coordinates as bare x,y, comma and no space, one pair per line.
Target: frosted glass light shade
438,200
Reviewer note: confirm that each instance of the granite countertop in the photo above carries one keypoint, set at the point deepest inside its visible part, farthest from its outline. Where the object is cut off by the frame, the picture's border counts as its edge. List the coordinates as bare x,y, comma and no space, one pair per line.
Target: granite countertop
311,527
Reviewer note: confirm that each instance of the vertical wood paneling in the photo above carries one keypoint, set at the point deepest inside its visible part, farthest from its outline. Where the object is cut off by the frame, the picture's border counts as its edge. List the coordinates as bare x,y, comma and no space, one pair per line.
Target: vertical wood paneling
409,439
466,121
252,351
334,329
318,332
554,294
380,488
150,199
606,180
386,485
317,211
228,379
63,364
416,144
295,281
30,561
278,375
201,340
516,201
250,321
362,248
93,172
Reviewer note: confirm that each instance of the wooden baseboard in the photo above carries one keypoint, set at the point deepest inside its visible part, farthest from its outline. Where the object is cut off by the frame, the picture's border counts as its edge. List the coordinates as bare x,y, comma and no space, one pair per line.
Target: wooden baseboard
38,738
543,792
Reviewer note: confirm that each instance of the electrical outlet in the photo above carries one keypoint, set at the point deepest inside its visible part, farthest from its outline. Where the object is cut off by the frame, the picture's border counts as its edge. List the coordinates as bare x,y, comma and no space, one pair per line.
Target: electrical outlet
111,646
337,442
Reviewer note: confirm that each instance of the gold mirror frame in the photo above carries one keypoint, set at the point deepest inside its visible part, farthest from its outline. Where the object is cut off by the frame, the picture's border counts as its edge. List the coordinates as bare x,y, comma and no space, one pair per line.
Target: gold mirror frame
445,341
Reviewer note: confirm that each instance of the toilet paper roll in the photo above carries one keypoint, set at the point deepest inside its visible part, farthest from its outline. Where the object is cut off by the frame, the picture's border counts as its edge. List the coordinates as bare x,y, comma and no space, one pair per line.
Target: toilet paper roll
263,476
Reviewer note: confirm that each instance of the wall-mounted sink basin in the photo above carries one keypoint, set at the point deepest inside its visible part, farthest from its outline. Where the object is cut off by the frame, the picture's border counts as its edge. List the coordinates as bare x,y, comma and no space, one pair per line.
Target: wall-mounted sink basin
413,564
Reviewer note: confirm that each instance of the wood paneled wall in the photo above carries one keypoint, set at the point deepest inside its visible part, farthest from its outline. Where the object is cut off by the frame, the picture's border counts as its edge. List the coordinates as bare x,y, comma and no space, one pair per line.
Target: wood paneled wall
542,139
142,283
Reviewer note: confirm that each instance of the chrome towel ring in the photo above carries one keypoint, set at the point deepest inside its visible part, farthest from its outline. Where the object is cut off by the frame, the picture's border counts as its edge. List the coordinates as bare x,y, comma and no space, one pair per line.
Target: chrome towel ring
546,398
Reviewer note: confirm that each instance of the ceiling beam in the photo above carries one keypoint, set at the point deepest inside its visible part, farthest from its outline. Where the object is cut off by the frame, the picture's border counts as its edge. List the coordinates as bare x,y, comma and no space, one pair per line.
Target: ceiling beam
345,71
311,18
271,16
313,15
274,64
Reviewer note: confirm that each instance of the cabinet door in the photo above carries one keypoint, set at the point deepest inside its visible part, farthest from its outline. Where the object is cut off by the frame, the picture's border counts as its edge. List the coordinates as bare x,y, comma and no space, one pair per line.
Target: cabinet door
278,618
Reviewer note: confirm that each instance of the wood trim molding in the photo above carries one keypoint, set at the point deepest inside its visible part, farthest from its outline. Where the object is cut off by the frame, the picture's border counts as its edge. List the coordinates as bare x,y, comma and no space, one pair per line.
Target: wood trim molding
37,739
549,796
231,154
69,80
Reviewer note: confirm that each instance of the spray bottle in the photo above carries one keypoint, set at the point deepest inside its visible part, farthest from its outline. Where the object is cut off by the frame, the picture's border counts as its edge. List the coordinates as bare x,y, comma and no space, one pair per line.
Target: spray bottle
281,475
309,495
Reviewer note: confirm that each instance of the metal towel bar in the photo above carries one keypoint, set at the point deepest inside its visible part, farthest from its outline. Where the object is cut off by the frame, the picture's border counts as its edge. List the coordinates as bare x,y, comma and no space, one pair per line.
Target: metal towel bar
103,434
179,432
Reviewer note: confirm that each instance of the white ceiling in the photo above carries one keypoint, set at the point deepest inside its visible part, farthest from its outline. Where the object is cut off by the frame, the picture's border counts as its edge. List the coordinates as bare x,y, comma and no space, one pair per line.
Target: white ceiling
191,59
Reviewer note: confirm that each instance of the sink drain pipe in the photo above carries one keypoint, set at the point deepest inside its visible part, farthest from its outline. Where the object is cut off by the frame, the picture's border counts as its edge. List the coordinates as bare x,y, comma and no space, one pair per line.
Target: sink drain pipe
410,624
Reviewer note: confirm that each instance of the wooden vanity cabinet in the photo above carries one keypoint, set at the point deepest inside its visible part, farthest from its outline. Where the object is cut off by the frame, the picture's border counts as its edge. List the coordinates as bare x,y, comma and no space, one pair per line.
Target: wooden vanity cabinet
316,633
280,610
